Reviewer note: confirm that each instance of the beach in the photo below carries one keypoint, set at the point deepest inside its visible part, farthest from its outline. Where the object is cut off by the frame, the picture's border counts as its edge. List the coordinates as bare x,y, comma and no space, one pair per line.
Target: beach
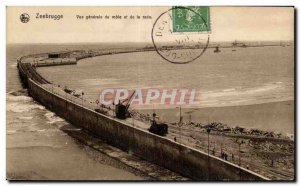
272,116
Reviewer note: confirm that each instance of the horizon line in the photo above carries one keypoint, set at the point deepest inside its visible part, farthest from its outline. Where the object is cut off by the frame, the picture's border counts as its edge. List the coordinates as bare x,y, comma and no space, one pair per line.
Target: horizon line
122,42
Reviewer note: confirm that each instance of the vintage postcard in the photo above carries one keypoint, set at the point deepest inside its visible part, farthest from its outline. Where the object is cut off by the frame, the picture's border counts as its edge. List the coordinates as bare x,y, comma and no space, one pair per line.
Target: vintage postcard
178,93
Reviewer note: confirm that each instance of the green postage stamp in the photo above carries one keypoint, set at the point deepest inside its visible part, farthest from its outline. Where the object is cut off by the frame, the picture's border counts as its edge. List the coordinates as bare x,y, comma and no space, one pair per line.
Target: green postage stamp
191,19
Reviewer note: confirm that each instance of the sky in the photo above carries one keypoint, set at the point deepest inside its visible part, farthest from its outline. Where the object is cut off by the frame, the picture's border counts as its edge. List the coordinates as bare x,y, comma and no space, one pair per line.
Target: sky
227,24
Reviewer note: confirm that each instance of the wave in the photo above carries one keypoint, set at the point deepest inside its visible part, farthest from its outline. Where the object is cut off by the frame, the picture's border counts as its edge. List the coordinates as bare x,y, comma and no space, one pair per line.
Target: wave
270,92
36,146
25,117
21,107
23,99
240,91
100,82
8,132
52,118
18,103
13,65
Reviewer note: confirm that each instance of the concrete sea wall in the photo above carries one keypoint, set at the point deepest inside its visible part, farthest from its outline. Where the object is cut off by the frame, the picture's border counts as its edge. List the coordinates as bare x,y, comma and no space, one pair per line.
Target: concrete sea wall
179,158
55,62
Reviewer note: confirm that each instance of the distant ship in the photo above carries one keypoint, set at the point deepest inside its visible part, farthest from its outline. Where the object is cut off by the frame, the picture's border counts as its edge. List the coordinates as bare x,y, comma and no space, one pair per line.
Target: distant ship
238,44
217,49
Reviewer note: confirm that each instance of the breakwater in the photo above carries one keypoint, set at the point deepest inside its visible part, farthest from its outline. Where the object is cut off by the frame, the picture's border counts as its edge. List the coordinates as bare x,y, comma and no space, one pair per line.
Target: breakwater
179,158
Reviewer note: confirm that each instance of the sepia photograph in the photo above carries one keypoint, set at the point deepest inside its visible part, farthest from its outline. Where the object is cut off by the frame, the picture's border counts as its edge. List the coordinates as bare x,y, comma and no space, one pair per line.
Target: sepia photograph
150,93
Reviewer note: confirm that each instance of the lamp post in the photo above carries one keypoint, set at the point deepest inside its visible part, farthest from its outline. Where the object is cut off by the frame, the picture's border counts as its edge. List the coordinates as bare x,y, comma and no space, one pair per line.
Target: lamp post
58,89
180,123
208,131
52,95
208,162
100,101
71,95
240,142
222,134
82,93
52,85
65,91
97,102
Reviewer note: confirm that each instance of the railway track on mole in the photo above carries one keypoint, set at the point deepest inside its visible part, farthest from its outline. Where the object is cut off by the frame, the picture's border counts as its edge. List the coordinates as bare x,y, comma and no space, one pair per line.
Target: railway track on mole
30,71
